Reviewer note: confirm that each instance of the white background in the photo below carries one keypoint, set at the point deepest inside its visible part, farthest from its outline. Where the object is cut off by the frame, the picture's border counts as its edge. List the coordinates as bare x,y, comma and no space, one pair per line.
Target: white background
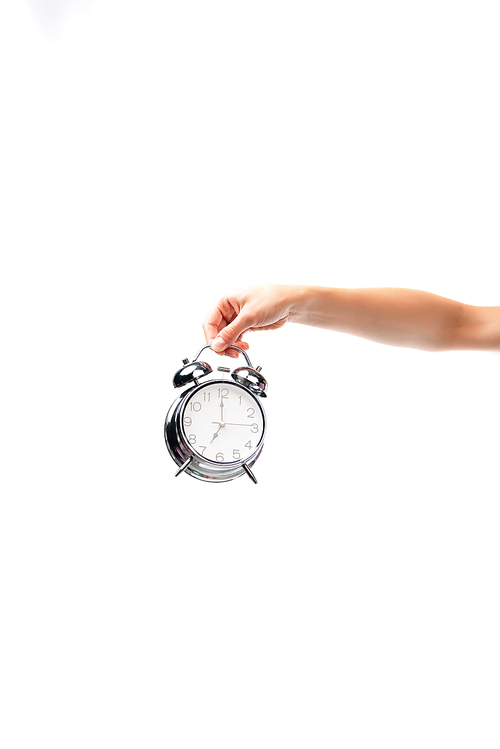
153,155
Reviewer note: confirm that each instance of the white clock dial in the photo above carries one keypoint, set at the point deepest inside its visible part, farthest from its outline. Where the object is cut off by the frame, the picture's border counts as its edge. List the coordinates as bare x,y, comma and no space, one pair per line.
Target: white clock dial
223,422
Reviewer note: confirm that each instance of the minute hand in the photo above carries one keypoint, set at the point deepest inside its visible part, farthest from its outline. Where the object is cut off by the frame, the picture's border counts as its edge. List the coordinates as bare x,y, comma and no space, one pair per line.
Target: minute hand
232,424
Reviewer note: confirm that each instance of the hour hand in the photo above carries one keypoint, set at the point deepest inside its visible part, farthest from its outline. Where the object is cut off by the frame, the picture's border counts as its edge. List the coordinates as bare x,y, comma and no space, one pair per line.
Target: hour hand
217,432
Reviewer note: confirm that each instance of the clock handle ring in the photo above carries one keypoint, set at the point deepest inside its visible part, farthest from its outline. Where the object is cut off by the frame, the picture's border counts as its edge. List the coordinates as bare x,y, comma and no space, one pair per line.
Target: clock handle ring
235,347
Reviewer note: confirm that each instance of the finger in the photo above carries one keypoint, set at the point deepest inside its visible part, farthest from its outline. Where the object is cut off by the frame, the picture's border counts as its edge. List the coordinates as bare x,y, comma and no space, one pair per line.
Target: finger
231,333
213,322
220,315
243,345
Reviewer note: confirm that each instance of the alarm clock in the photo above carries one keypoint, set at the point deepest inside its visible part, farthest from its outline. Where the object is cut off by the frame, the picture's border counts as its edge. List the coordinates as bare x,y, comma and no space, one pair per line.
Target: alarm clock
216,427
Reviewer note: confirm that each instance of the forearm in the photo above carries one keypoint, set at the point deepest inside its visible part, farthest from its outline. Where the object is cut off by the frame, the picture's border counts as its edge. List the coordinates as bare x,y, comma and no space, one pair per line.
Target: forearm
396,317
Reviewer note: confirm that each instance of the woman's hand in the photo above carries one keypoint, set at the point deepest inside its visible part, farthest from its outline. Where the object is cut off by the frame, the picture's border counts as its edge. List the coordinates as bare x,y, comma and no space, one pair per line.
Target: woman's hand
253,308
392,316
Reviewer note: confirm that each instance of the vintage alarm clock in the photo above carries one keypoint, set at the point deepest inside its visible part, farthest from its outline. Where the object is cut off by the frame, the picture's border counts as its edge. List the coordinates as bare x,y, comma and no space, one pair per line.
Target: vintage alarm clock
215,429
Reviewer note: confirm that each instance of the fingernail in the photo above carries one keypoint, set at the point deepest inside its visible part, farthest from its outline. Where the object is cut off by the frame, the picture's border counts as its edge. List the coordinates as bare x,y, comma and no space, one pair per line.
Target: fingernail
218,344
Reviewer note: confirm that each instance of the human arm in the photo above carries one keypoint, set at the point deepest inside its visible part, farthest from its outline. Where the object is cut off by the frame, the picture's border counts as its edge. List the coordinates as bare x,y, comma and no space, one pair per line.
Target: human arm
392,316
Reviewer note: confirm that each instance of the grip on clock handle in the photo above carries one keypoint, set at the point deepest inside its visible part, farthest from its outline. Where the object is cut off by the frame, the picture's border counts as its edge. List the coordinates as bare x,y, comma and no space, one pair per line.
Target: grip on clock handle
235,348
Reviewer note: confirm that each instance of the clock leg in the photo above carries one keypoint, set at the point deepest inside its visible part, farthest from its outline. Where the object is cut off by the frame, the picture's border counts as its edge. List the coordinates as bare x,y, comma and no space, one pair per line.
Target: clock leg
249,472
184,466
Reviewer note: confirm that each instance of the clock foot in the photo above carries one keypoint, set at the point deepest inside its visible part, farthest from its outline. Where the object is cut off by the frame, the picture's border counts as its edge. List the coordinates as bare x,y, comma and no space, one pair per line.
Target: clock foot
249,472
184,466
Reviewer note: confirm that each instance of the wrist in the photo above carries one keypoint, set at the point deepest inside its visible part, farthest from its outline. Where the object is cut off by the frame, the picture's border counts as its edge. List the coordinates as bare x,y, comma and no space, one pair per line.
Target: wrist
298,302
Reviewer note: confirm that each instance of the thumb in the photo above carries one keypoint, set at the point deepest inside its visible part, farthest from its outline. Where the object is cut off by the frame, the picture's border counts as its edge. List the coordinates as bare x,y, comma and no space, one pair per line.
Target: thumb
228,335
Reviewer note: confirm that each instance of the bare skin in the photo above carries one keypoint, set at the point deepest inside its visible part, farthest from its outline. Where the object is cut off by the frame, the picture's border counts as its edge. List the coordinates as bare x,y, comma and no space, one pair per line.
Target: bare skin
395,317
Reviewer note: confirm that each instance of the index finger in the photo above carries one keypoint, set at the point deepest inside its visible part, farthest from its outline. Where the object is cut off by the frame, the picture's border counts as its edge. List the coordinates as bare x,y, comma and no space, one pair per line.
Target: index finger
222,314
213,323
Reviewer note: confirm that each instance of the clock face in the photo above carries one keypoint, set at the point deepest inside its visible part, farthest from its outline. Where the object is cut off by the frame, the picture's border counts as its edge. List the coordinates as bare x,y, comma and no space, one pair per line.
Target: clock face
223,422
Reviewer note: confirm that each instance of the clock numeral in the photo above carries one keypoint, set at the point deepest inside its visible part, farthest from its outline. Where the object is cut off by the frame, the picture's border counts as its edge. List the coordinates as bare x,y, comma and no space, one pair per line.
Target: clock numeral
206,396
236,454
219,458
202,448
249,445
223,392
254,428
250,413
188,421
195,406
192,439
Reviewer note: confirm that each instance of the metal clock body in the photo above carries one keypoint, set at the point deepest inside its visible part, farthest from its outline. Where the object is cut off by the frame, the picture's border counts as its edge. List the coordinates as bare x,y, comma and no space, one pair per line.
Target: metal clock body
215,430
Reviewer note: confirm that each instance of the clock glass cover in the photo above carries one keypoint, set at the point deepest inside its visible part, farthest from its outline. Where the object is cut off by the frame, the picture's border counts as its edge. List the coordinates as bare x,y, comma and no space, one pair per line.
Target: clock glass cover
222,422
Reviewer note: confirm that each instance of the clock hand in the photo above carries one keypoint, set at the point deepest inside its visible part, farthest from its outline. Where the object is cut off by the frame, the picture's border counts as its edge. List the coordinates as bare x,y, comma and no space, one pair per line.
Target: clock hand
218,430
230,423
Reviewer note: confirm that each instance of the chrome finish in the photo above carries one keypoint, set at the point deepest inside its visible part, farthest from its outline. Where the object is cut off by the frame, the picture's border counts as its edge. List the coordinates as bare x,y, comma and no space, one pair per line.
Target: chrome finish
191,372
184,466
177,442
251,379
191,462
235,348
249,472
